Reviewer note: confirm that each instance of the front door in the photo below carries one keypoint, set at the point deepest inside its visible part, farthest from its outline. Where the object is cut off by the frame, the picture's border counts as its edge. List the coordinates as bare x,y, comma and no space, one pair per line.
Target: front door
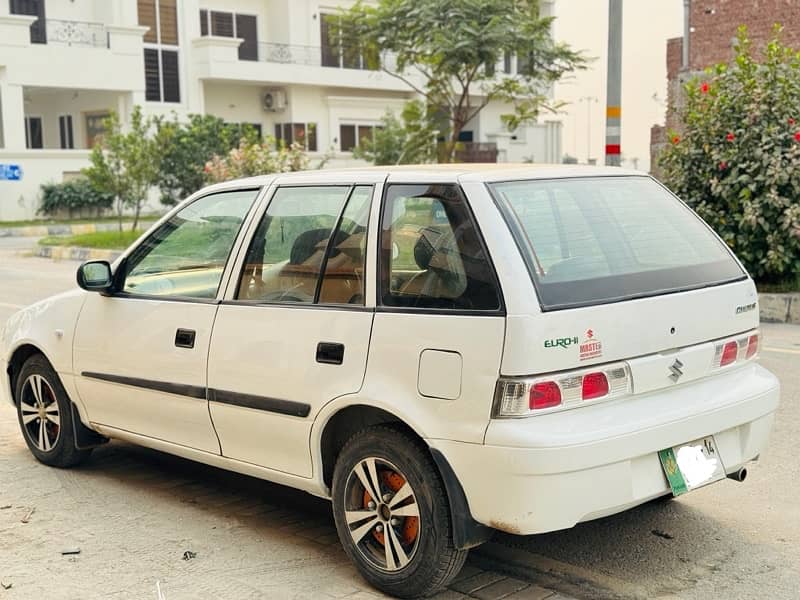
141,353
295,331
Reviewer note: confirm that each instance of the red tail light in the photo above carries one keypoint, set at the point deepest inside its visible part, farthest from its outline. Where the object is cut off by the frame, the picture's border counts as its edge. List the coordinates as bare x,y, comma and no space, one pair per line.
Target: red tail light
545,394
752,346
595,385
729,354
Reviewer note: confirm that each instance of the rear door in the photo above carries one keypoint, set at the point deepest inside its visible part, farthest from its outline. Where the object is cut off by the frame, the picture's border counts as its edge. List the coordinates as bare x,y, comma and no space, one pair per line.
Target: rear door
294,330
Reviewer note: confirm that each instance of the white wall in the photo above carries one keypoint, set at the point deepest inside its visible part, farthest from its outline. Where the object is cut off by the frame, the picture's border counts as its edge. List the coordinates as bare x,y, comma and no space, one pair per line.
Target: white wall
20,199
50,104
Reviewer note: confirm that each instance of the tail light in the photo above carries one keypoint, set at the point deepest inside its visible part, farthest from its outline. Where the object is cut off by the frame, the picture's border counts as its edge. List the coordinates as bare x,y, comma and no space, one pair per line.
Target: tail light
736,350
522,397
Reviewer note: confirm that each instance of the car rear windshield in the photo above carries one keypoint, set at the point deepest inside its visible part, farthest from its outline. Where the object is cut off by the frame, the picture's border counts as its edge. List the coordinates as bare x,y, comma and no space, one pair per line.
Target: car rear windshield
595,240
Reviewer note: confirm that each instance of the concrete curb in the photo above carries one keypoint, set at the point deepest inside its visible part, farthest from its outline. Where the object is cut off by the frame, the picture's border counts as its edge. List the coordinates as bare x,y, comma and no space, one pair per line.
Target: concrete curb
45,230
780,308
76,253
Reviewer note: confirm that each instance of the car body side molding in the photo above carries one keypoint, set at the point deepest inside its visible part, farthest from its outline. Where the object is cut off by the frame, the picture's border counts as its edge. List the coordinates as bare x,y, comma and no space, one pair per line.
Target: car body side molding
284,407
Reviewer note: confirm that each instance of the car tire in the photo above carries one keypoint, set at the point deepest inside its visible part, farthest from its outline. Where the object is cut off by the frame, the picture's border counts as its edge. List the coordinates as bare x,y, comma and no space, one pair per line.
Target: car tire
412,513
44,412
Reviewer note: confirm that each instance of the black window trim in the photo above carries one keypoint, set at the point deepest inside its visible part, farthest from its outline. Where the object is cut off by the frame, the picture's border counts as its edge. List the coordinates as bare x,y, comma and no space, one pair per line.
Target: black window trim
380,307
118,277
519,240
315,304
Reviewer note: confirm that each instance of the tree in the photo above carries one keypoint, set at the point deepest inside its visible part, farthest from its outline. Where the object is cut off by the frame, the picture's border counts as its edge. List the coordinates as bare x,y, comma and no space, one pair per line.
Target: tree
736,160
256,158
448,53
125,163
411,140
188,146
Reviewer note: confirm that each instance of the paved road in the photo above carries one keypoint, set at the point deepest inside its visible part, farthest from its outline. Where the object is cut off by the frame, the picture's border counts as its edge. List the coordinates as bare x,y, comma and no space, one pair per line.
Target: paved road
134,512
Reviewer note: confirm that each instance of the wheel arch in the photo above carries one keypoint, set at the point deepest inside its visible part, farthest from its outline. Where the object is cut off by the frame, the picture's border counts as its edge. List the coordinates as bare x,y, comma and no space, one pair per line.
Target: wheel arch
345,421
18,357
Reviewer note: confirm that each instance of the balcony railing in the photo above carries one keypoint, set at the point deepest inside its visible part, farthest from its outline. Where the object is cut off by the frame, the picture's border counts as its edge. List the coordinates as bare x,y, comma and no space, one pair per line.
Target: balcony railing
471,152
317,56
70,33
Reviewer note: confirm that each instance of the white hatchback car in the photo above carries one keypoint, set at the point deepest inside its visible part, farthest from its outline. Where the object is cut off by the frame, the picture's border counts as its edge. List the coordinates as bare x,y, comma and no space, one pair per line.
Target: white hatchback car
441,351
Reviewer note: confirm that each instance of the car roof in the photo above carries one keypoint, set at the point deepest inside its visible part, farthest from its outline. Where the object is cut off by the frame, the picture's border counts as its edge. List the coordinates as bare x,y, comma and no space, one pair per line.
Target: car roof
434,173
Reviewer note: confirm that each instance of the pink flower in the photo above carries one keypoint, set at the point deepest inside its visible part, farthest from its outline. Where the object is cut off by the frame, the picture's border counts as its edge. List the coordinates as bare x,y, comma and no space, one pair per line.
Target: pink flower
730,137
704,87
791,121
797,136
723,165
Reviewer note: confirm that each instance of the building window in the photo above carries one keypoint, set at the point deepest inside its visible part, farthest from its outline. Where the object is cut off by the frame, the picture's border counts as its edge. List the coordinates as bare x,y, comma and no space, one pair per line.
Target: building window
161,71
33,8
33,132
65,132
352,136
95,127
507,62
228,24
304,134
341,51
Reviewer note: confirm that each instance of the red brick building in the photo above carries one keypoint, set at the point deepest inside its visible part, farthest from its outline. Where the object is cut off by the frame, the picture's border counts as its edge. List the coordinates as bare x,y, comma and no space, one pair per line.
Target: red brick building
713,26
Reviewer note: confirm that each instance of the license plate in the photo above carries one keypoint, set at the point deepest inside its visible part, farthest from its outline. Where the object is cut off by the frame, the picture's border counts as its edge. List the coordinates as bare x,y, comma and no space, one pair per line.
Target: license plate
693,465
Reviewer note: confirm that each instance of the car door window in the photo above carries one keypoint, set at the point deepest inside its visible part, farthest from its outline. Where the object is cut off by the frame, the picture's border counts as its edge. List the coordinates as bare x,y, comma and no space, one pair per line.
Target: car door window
343,281
432,255
186,255
287,252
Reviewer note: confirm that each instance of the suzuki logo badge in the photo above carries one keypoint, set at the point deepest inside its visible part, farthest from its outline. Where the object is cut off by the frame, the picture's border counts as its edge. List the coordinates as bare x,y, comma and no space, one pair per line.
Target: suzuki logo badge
675,368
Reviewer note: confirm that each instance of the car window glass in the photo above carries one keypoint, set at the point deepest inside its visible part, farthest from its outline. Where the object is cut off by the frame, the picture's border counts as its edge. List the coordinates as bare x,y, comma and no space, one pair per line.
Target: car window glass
343,282
186,255
285,256
431,252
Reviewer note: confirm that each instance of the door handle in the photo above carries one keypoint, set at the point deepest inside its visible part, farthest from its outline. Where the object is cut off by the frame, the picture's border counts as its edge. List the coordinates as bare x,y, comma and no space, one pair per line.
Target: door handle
184,338
330,353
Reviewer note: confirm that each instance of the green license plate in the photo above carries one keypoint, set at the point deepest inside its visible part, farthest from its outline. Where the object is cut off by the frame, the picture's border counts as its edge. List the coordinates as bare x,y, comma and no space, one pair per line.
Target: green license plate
692,465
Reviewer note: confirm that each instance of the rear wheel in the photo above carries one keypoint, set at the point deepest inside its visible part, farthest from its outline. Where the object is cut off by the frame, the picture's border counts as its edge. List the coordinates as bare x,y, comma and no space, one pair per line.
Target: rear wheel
392,514
45,415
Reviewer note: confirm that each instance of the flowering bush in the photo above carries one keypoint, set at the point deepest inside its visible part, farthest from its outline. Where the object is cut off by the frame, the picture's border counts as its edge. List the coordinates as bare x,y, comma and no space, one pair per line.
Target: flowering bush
737,158
256,158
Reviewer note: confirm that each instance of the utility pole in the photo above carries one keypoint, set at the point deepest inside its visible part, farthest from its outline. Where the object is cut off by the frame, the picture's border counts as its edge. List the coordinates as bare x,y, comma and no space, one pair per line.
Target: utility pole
614,84
589,100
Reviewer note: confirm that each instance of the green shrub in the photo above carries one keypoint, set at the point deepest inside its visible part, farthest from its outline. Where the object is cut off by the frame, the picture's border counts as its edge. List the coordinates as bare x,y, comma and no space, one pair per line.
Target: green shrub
73,198
737,160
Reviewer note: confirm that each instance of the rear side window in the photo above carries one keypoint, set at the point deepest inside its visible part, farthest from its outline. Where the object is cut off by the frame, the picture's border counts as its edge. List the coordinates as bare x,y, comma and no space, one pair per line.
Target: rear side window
603,239
432,255
305,233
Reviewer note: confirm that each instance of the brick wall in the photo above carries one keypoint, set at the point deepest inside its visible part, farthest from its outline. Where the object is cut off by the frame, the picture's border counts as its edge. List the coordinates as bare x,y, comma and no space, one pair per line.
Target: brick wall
714,26
715,23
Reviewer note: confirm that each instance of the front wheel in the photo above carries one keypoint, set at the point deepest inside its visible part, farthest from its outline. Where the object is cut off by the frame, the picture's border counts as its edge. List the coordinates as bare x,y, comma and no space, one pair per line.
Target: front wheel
392,514
45,415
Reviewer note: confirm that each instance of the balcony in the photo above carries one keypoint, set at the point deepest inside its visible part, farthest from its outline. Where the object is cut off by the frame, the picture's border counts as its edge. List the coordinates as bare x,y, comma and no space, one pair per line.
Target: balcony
218,58
71,33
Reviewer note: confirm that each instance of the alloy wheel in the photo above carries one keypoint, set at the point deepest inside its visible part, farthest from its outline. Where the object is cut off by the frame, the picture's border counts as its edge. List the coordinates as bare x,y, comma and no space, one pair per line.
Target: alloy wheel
40,415
382,514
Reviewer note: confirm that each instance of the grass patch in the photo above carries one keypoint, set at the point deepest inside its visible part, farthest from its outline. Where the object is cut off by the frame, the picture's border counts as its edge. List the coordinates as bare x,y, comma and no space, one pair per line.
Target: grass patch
37,222
106,240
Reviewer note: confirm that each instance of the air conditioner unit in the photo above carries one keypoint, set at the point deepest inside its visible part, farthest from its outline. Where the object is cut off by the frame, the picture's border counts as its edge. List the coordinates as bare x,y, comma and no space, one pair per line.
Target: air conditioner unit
273,100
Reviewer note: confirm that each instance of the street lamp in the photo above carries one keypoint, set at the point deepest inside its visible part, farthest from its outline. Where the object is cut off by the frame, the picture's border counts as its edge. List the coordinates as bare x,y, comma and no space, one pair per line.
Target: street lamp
589,100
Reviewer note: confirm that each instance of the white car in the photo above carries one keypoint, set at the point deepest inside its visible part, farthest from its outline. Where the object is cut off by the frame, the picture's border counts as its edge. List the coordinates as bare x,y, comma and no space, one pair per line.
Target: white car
441,351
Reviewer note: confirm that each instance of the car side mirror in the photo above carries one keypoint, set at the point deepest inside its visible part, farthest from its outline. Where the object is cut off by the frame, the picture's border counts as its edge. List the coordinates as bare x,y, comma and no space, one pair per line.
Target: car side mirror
95,276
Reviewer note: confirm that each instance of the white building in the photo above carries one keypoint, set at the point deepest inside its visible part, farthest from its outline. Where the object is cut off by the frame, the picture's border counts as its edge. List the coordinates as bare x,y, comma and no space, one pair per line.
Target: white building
65,64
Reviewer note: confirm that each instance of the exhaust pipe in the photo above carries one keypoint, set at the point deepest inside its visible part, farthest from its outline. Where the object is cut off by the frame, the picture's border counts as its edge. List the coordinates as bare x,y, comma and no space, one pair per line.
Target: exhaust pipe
739,475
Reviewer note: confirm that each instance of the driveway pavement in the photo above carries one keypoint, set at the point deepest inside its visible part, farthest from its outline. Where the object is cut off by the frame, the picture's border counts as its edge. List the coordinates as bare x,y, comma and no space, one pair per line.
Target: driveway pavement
134,514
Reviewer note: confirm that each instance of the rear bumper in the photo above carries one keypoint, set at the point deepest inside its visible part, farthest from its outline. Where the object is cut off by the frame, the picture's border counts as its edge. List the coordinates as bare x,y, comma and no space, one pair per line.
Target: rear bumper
547,473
